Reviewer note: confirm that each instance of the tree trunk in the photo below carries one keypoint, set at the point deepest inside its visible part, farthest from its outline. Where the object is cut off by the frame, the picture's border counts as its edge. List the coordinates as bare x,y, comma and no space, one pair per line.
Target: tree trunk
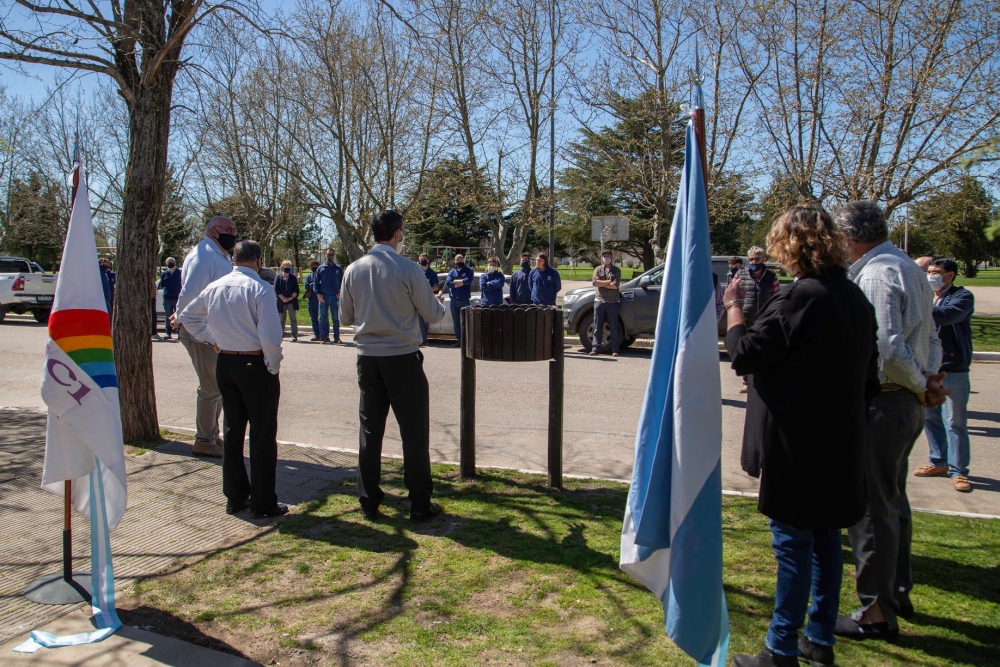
145,178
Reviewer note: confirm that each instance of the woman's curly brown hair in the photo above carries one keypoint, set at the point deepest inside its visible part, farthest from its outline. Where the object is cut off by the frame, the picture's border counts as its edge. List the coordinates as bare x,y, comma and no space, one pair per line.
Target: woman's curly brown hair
806,242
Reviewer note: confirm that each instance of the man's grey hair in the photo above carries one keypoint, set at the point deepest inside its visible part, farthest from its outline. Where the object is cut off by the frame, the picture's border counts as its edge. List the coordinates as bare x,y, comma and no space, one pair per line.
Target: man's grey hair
171,260
862,222
246,252
756,250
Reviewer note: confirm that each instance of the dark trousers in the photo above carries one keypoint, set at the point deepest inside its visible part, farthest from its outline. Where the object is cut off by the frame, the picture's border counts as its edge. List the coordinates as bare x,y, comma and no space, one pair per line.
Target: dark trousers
880,542
809,562
456,316
152,305
397,382
249,394
607,312
313,304
169,308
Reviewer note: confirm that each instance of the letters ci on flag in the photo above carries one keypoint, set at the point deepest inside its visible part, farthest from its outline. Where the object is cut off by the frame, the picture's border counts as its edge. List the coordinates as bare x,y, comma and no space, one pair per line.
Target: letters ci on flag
83,439
672,534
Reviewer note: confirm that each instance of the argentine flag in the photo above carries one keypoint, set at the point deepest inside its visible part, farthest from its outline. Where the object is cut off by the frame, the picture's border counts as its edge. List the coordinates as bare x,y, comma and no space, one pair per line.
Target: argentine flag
672,535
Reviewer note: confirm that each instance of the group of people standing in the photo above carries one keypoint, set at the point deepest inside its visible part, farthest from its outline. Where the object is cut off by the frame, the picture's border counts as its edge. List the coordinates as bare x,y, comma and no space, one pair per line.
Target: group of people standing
845,368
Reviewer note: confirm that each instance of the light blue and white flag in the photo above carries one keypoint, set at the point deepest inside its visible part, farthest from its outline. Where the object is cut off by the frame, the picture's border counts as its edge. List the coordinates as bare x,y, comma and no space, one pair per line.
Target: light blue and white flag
83,439
672,535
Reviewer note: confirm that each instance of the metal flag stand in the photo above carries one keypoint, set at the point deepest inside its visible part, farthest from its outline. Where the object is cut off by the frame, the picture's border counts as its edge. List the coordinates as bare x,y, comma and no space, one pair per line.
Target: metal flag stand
63,588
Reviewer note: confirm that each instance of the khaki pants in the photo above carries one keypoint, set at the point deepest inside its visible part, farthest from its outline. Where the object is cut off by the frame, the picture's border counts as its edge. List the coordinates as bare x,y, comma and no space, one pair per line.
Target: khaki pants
293,315
209,405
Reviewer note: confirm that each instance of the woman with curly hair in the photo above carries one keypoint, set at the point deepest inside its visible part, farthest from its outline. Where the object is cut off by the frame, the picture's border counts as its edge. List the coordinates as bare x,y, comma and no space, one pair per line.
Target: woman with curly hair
813,361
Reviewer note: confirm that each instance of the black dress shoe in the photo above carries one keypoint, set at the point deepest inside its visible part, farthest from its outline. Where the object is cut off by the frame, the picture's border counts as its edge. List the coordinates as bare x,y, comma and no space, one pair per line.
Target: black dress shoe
277,510
851,629
233,508
429,512
815,654
766,658
371,514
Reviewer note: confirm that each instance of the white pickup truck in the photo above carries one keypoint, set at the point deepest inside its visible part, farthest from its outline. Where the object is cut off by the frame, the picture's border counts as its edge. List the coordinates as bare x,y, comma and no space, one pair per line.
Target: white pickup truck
25,287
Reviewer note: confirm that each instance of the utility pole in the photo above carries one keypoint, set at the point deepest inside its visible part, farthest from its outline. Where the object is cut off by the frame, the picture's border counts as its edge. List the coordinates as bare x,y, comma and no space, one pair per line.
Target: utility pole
552,135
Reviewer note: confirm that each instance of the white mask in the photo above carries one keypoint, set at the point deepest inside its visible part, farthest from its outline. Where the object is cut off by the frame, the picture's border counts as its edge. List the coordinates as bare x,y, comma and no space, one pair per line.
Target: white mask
936,280
607,259
493,268
399,246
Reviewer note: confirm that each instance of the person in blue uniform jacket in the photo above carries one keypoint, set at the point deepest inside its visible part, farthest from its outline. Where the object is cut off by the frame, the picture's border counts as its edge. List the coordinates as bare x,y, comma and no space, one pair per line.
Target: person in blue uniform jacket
544,282
170,283
520,291
327,288
434,282
491,284
459,284
312,301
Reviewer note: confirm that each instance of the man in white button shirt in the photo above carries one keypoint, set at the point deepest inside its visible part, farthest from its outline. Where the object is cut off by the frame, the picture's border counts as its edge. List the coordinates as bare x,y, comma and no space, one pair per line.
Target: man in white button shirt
236,316
207,262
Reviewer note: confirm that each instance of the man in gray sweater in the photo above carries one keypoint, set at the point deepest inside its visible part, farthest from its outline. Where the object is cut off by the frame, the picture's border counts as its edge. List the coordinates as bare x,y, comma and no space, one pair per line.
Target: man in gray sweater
384,295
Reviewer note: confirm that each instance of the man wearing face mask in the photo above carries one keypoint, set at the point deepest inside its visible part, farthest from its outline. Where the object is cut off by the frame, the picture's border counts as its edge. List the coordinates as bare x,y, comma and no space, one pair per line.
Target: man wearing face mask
327,285
170,283
491,284
520,290
235,315
757,284
946,426
607,279
544,281
435,283
384,296
459,283
207,262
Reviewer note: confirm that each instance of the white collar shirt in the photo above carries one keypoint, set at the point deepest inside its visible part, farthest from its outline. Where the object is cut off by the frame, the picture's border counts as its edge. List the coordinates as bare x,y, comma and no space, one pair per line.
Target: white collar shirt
237,313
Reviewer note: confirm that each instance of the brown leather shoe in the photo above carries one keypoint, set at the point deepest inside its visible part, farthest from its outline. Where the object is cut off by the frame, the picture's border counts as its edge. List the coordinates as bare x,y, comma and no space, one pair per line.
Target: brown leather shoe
961,483
202,448
931,471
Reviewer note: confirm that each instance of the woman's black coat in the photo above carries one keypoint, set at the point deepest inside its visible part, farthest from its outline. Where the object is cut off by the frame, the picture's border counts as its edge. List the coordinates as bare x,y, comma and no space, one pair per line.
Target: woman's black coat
813,360
286,284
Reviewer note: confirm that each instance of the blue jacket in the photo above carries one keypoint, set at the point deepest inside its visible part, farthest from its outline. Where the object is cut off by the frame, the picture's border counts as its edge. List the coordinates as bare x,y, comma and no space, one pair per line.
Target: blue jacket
432,278
491,288
328,279
544,286
952,314
310,284
520,290
170,283
463,293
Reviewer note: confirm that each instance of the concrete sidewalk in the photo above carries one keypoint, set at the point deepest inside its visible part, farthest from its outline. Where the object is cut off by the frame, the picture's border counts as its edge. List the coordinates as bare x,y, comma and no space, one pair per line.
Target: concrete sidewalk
176,511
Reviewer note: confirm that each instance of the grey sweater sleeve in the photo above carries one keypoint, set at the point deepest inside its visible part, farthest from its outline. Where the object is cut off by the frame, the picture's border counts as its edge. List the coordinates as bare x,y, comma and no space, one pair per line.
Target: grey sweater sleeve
423,297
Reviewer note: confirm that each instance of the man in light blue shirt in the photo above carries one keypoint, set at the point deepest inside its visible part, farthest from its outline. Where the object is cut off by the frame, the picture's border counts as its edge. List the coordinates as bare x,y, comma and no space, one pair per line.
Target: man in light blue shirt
236,316
909,359
207,262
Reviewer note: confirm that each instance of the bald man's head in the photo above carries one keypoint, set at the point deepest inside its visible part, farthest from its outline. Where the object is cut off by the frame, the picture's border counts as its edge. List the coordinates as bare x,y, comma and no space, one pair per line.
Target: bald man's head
222,230
924,262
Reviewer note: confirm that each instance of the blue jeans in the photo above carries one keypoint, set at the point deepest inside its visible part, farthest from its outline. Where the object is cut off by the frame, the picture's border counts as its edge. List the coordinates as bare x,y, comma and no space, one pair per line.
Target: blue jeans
328,308
808,561
313,304
947,427
456,319
169,308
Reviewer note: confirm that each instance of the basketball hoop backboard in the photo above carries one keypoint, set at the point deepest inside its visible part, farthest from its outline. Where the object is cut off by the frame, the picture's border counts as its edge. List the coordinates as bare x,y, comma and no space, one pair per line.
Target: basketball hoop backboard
610,228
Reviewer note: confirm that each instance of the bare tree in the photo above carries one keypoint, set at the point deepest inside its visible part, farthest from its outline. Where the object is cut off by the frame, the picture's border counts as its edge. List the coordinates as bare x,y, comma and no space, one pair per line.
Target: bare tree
138,44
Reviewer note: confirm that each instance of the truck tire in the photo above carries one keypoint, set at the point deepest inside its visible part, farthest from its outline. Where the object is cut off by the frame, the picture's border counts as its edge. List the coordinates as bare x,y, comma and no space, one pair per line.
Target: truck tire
3,312
42,316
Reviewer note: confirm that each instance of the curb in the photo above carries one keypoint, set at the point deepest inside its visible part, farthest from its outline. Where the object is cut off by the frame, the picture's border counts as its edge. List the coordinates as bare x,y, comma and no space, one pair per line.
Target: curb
986,356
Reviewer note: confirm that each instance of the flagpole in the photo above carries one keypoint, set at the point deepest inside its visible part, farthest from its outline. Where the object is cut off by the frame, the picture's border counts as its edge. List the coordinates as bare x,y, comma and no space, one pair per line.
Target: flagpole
699,119
62,588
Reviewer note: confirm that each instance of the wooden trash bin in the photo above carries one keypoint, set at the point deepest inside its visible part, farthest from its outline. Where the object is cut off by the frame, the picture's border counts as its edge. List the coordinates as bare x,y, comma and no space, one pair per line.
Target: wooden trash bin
512,333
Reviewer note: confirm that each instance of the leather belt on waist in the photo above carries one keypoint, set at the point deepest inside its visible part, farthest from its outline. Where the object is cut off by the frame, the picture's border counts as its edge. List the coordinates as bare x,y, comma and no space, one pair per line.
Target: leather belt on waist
256,353
892,386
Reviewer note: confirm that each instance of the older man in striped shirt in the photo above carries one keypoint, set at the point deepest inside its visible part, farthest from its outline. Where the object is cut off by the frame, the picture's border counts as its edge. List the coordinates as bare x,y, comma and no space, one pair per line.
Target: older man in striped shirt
909,359
236,316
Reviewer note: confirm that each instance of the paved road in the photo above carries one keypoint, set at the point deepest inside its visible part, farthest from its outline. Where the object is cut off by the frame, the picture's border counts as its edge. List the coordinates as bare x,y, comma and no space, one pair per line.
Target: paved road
603,397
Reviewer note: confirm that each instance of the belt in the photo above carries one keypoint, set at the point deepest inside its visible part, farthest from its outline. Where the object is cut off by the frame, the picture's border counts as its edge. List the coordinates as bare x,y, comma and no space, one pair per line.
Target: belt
892,386
255,353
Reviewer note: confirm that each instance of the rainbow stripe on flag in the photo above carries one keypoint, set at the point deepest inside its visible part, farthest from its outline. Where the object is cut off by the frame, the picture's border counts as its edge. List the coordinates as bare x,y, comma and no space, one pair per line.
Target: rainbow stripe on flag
85,335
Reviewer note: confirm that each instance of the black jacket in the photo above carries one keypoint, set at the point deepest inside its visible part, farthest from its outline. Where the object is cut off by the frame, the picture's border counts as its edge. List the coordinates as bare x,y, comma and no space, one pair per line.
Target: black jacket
952,314
286,284
813,360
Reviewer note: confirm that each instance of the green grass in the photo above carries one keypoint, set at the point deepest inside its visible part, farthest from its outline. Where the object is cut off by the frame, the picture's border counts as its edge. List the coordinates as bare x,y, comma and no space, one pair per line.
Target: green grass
516,573
985,278
986,334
